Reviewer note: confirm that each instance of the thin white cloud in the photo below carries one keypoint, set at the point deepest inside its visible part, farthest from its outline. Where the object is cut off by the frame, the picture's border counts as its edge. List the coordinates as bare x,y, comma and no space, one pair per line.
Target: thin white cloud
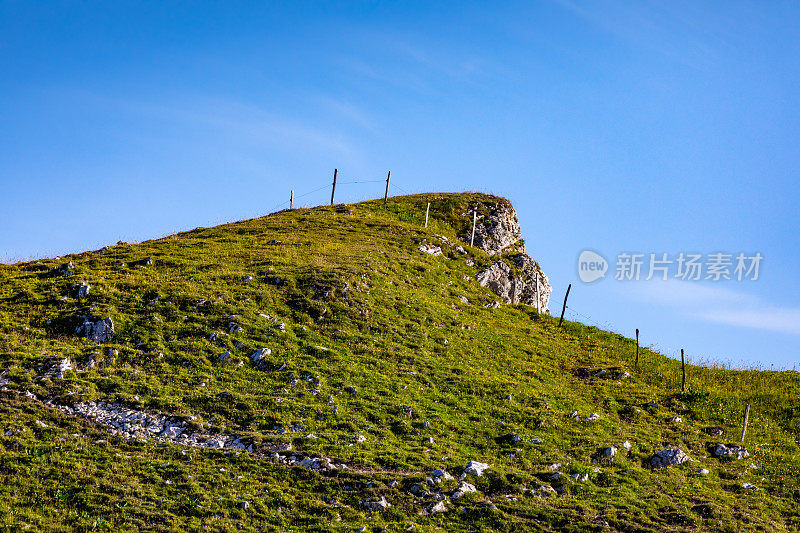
718,305
233,119
670,31
780,319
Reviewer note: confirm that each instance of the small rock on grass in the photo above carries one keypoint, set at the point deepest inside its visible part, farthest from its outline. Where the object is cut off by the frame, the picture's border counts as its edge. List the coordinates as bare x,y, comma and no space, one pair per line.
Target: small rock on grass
462,489
438,508
475,468
669,457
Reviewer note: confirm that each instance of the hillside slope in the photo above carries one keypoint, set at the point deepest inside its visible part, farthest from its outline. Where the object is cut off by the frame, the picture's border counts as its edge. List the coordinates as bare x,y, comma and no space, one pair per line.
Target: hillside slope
311,369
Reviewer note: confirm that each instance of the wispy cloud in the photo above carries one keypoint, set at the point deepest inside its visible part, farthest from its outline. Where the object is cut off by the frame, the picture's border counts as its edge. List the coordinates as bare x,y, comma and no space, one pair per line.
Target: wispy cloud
719,305
780,319
249,124
668,30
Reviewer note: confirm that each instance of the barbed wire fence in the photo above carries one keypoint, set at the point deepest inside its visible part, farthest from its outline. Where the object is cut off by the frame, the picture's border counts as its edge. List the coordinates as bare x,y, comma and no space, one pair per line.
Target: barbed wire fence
293,198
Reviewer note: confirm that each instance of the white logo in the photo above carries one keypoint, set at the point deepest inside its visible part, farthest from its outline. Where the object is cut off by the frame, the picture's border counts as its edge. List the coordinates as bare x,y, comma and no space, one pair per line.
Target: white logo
591,266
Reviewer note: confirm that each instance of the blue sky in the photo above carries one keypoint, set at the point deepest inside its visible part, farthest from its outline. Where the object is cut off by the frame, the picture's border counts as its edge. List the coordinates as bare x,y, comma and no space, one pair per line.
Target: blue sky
650,127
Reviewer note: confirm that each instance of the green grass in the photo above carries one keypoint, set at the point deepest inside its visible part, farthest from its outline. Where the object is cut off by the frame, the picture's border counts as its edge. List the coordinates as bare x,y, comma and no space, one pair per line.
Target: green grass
350,279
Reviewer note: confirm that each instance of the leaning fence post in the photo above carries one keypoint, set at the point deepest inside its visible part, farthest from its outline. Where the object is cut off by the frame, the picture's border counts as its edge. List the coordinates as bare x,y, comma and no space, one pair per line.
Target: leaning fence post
683,369
291,199
386,194
746,420
333,190
637,348
564,307
427,210
474,221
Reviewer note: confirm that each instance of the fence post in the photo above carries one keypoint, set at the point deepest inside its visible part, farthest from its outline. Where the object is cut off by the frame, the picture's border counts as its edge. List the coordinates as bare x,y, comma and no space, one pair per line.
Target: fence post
564,307
333,191
746,420
291,199
427,210
474,221
683,369
637,348
386,194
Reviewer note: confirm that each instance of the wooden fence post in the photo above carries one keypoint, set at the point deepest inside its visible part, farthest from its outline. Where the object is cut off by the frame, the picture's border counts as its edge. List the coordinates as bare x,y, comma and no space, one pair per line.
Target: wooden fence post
427,210
683,368
291,199
564,307
746,420
333,191
637,348
474,221
386,194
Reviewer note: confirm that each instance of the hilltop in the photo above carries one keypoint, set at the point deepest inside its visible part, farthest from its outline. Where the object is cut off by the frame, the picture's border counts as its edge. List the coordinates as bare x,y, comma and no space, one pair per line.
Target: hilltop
344,367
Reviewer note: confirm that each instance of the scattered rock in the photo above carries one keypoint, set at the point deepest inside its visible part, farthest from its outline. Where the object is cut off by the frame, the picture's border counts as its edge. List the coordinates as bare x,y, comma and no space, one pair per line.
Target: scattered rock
675,420
749,486
430,249
81,290
350,390
147,261
623,375
101,330
244,505
703,471
441,474
234,328
592,417
734,452
543,491
438,508
627,445
608,453
580,478
669,457
375,505
259,356
462,489
475,468
224,357
64,269
652,405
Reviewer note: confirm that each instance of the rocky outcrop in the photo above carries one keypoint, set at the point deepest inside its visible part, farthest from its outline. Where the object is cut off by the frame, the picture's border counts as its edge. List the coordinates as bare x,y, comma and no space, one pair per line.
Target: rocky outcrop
530,287
497,231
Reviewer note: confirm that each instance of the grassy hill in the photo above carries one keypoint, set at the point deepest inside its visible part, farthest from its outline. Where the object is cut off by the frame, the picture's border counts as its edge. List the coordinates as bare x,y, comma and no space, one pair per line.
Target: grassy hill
375,362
